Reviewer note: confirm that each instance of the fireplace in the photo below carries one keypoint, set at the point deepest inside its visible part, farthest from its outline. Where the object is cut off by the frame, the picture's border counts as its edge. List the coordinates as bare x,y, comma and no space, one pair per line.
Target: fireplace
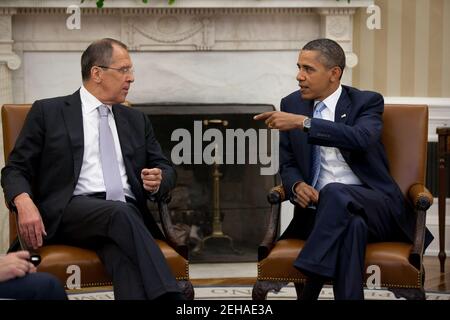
220,208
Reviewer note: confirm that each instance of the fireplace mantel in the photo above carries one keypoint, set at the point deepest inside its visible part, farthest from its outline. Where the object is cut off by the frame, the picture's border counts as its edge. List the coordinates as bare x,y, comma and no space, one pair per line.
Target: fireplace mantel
192,4
266,26
198,25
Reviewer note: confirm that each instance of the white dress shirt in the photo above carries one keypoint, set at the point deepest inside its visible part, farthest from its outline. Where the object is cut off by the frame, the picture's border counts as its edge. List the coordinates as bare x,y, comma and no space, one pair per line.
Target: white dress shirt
91,174
333,167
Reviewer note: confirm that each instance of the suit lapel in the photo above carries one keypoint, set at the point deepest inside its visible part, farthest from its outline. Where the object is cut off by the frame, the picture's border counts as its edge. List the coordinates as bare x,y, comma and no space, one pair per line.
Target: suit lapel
73,119
342,107
306,108
123,130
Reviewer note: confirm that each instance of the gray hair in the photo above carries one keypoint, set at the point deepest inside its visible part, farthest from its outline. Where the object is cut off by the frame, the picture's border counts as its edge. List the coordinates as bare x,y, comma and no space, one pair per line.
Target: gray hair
98,53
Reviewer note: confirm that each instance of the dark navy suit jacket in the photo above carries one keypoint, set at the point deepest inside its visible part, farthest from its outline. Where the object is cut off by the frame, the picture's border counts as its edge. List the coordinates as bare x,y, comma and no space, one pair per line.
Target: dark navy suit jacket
356,132
48,154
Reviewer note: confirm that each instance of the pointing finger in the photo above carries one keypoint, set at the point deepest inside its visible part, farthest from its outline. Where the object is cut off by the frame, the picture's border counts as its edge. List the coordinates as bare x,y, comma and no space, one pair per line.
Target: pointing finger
263,116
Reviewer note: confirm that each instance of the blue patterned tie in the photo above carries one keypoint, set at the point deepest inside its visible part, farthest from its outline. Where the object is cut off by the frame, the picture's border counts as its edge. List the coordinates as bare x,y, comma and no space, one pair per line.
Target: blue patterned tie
315,168
108,158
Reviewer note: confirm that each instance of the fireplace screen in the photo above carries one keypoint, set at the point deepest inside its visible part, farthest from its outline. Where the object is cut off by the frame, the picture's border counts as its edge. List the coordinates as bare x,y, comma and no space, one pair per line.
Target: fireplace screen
219,203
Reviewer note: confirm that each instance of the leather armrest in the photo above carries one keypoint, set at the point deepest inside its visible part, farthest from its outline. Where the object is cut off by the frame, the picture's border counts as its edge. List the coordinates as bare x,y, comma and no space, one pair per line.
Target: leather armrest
420,197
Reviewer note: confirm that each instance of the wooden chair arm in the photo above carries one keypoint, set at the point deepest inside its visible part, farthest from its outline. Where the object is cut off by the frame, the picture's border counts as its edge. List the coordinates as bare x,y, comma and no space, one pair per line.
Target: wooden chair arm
421,199
168,228
275,197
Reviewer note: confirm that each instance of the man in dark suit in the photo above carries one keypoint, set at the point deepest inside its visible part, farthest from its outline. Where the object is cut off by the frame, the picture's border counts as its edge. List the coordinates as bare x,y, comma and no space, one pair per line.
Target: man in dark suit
82,170
335,171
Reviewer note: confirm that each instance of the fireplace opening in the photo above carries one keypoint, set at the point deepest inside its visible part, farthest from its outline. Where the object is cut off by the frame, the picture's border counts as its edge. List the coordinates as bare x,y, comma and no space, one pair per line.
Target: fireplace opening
219,208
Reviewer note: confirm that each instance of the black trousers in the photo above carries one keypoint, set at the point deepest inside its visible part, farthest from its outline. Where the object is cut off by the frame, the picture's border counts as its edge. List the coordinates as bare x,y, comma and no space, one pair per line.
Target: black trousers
117,232
346,219
33,286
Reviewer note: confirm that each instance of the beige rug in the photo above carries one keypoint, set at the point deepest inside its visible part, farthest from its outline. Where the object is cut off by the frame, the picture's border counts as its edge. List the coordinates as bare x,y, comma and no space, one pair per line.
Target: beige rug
245,293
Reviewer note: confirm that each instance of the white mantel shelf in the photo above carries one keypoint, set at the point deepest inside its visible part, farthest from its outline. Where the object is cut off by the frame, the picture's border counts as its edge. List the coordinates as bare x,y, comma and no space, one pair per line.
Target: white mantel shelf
190,4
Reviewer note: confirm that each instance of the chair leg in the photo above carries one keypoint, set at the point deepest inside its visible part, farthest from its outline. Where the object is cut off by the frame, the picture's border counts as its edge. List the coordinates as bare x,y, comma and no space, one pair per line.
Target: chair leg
262,288
409,294
186,288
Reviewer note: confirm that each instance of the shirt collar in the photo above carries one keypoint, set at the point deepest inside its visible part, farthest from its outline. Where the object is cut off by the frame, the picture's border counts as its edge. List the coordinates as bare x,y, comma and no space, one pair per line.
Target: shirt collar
89,102
332,100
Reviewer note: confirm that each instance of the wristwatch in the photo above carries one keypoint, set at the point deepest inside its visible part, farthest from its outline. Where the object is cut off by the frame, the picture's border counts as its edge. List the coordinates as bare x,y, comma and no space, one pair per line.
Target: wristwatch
306,124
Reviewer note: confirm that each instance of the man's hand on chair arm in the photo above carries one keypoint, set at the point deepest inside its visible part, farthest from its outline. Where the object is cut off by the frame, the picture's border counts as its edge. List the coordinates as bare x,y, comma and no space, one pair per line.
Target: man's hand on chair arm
31,227
305,195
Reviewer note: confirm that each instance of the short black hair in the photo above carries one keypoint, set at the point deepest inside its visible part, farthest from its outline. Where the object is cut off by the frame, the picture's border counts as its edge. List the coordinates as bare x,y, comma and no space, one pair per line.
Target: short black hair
98,53
331,53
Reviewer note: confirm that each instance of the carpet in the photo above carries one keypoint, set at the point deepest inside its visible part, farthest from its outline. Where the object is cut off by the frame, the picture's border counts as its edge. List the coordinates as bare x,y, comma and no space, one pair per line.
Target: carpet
245,293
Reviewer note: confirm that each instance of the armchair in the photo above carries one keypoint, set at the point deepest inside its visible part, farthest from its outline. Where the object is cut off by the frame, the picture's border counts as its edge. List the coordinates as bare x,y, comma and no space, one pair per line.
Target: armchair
55,259
404,136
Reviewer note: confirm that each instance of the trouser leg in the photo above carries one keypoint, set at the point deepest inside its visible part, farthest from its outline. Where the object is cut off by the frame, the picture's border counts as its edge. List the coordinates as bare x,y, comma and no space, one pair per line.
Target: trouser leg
321,250
90,222
328,251
125,274
33,286
348,282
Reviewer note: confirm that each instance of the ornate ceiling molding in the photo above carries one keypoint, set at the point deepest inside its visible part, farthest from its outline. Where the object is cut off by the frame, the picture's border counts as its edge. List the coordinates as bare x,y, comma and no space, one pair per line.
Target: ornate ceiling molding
8,11
165,11
192,3
335,11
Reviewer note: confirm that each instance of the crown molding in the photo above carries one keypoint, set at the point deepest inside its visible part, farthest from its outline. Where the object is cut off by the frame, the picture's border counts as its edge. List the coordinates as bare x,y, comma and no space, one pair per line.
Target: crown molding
7,11
335,11
161,11
260,4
